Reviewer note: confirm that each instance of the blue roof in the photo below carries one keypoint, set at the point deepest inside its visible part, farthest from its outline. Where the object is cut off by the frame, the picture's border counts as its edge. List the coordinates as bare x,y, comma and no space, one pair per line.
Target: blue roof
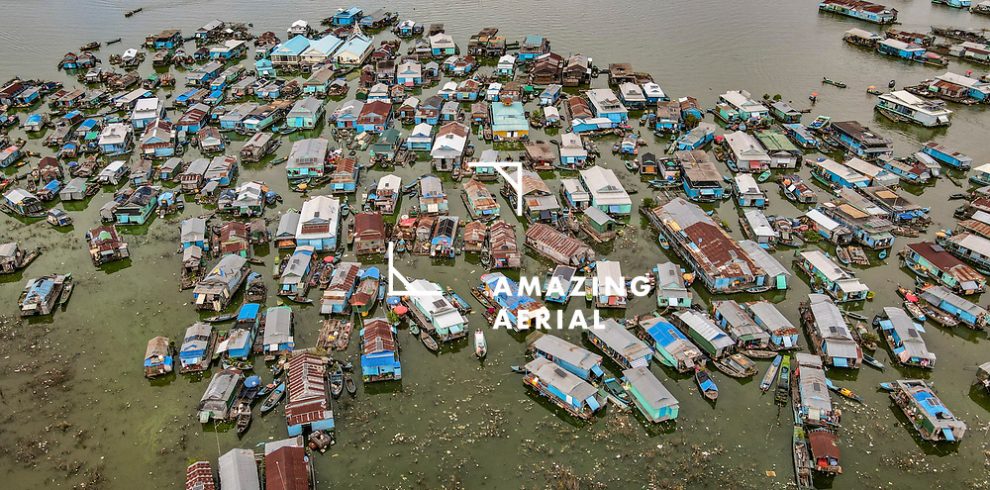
371,272
89,124
326,44
508,301
292,47
533,39
248,311
356,45
931,404
351,12
664,333
34,118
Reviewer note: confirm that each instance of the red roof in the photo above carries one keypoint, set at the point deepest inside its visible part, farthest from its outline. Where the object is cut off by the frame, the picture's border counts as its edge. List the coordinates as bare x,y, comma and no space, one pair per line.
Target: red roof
378,337
199,476
308,400
715,245
286,469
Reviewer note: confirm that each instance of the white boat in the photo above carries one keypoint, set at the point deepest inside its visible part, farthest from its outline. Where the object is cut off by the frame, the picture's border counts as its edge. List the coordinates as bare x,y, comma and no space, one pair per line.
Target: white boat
480,345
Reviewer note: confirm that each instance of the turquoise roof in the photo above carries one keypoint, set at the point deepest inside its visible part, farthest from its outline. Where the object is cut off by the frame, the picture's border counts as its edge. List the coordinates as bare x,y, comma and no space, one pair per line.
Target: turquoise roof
510,117
292,47
327,44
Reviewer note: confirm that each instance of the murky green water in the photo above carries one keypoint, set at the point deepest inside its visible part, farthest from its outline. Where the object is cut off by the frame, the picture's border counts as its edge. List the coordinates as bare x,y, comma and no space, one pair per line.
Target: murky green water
76,408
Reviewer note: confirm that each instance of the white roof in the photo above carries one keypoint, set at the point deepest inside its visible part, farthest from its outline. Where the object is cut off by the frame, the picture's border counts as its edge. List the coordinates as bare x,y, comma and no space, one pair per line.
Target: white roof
391,181
317,209
822,220
604,186
759,223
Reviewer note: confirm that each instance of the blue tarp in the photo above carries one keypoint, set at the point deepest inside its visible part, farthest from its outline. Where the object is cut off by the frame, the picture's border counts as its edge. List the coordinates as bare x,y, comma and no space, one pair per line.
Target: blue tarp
248,311
840,362
597,371
593,403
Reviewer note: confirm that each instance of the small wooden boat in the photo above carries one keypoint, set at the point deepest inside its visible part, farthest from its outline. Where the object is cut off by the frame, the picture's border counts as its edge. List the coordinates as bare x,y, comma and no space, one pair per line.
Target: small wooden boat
130,13
632,166
834,83
782,392
771,374
243,422
737,366
336,382
67,286
265,390
940,317
480,345
915,311
429,342
221,318
113,41
517,369
888,387
958,196
843,255
802,463
763,177
90,46
705,383
845,392
273,398
350,386
414,329
615,393
854,315
872,361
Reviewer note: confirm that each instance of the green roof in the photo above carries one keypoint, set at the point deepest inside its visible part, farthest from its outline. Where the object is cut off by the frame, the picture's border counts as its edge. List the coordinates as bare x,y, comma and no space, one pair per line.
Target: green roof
775,141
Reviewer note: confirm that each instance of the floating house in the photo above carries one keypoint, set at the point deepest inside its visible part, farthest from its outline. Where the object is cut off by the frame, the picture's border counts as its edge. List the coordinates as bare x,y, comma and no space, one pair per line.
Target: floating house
449,145
611,289
336,298
902,106
860,9
619,344
833,173
215,290
480,202
432,198
305,113
671,286
861,141
700,328
829,334
867,223
814,403
105,245
307,405
747,192
783,334
557,246
738,106
379,352
198,345
219,397
345,175
319,223
369,234
566,390
930,261
716,258
435,313
828,276
947,156
734,320
522,310
292,280
307,158
745,153
508,122
579,361
42,295
903,336
421,138
607,193
782,153
651,397
672,348
926,412
965,311
239,470
501,246
606,105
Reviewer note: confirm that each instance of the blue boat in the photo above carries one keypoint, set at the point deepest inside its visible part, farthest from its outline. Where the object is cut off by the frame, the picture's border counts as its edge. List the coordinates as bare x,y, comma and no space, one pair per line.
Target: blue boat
705,383
946,156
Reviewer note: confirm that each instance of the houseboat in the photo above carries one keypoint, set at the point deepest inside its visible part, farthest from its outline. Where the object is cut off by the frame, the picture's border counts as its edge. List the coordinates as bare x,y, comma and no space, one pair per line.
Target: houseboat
801,136
578,361
105,245
696,238
964,311
796,190
903,336
619,344
558,247
860,140
671,346
672,281
829,277
903,106
650,396
930,261
735,320
307,398
814,404
971,247
215,290
947,157
335,300
701,179
379,351
158,357
43,294
700,328
926,412
829,333
860,9
783,334
198,345
747,192
566,390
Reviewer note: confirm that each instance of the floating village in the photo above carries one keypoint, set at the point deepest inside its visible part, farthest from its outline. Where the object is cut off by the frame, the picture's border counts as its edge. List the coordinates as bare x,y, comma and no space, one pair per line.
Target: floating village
499,125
